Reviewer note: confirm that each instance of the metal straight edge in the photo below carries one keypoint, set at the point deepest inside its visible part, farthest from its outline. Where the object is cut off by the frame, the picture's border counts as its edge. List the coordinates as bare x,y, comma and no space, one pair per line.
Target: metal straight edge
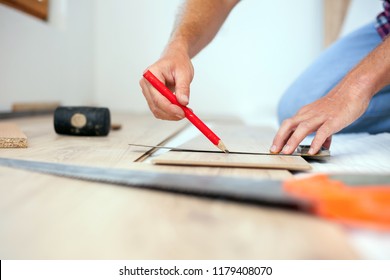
22,114
301,151
266,192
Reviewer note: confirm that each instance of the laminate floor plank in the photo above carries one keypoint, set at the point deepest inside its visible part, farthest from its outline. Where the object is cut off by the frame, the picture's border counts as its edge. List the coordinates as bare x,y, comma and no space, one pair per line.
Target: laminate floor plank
111,151
238,138
49,217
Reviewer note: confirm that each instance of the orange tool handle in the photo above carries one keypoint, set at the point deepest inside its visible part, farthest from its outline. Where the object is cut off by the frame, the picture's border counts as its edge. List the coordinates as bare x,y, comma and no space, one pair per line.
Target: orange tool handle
367,206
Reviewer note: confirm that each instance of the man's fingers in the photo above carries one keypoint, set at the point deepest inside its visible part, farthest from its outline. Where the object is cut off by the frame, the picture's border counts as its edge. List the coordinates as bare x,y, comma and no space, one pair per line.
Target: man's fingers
303,129
284,133
161,107
161,104
292,133
327,142
160,114
322,136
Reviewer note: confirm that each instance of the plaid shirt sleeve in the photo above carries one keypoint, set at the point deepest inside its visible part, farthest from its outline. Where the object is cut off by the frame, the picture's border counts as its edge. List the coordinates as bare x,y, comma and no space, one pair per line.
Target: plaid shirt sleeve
383,20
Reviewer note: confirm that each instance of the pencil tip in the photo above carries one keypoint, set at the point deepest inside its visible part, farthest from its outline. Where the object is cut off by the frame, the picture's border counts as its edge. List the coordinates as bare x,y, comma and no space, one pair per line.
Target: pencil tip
222,147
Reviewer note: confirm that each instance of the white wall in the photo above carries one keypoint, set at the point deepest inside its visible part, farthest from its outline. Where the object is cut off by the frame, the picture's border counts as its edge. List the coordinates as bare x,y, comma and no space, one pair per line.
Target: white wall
130,34
360,12
47,62
261,48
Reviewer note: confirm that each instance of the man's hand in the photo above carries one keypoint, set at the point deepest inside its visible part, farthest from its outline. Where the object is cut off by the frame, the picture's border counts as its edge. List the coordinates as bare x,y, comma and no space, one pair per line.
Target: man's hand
340,107
196,26
175,70
326,116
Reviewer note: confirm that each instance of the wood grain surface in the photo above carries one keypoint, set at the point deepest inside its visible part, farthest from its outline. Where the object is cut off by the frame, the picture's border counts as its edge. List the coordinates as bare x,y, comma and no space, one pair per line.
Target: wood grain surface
111,151
37,8
295,163
236,138
49,217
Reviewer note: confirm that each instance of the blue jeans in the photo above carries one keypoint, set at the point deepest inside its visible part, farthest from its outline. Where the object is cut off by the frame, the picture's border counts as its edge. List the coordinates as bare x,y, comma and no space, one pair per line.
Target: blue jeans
328,70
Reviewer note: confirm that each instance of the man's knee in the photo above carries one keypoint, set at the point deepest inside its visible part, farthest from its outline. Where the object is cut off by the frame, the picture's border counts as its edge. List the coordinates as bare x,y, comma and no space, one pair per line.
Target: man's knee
302,92
289,105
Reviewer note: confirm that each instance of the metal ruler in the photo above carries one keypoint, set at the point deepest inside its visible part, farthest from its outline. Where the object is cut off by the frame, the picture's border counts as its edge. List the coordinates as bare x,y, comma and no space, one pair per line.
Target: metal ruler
301,151
22,114
266,192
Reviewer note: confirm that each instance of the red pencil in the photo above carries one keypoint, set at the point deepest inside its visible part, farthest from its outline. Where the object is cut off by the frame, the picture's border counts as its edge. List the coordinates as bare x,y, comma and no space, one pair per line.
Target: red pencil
157,84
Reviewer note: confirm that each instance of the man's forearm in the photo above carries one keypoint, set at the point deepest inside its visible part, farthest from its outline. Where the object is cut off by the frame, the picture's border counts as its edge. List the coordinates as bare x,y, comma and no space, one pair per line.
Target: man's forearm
198,23
373,72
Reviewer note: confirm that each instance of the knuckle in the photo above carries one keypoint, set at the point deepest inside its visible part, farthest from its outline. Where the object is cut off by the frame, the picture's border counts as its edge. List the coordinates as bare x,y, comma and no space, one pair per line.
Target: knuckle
302,110
305,125
156,101
159,116
182,87
144,91
293,139
155,111
287,122
320,138
324,131
174,118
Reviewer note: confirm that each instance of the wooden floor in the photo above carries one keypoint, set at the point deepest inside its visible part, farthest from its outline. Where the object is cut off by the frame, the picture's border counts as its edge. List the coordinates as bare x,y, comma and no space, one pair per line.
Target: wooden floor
237,138
48,217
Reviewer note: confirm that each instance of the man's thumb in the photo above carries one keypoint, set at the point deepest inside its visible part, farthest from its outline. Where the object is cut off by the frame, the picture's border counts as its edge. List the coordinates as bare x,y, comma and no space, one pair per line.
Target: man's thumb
182,96
182,89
